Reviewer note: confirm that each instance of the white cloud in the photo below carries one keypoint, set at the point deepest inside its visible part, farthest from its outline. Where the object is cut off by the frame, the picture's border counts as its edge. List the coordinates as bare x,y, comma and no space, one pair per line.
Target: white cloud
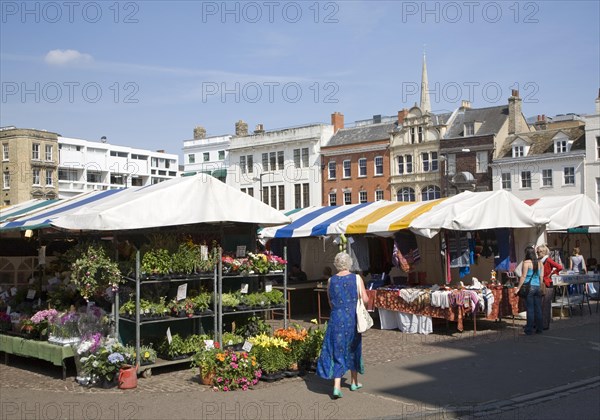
67,58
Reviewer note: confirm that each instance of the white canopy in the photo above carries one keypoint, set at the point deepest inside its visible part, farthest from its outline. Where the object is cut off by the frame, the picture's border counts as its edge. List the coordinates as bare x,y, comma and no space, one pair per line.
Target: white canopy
478,210
568,211
180,201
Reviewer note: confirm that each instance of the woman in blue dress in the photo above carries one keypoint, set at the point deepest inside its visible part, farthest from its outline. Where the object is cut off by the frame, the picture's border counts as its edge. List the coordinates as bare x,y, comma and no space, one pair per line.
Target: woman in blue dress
342,345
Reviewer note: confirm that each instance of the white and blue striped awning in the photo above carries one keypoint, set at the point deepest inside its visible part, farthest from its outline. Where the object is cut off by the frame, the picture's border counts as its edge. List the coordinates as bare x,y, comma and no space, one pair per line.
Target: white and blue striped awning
40,215
17,210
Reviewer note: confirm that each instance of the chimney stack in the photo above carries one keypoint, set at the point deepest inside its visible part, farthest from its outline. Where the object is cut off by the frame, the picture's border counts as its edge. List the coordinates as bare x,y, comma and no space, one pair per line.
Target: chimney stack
337,120
541,123
199,133
241,128
402,115
465,104
598,103
515,114
259,129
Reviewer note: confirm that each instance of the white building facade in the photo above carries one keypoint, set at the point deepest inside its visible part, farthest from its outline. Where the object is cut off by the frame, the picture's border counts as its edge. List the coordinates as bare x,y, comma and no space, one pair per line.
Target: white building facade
280,167
206,155
86,166
544,162
592,151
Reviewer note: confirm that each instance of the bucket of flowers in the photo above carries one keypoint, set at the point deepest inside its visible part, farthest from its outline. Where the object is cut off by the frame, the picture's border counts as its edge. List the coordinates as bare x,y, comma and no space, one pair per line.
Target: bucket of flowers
235,370
64,329
272,354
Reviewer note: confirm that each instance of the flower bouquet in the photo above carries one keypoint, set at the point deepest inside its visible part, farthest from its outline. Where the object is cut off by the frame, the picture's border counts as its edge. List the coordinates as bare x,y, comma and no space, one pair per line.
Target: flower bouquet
105,363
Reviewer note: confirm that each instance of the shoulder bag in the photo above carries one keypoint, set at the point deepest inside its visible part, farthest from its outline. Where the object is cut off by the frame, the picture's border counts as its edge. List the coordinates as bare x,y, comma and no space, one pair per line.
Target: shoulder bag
363,318
524,290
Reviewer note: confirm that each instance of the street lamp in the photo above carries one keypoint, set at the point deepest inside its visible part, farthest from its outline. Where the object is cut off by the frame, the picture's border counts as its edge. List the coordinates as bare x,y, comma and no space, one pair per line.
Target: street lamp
260,181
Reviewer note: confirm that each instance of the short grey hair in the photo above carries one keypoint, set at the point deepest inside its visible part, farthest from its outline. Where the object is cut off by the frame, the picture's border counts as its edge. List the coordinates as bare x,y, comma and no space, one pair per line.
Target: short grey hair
343,261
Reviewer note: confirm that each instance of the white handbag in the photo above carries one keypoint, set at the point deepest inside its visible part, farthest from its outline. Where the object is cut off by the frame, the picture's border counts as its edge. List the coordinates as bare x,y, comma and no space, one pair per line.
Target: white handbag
363,318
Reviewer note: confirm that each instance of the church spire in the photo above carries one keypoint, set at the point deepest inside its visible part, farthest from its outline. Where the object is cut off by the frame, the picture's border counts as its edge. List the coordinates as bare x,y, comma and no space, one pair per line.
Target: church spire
425,104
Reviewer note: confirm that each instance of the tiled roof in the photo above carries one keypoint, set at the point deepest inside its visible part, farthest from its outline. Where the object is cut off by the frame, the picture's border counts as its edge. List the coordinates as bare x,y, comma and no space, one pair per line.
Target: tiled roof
363,133
492,119
541,141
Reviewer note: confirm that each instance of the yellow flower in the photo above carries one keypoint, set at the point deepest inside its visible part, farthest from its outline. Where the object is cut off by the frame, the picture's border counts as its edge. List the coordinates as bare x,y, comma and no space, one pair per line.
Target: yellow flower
314,321
146,355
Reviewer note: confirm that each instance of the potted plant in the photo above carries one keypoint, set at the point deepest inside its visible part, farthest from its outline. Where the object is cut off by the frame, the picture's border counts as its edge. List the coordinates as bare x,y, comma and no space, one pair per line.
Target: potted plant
258,263
205,359
156,262
276,263
274,297
147,355
229,301
295,336
105,363
312,345
185,260
202,302
232,340
235,370
254,326
94,271
175,350
272,354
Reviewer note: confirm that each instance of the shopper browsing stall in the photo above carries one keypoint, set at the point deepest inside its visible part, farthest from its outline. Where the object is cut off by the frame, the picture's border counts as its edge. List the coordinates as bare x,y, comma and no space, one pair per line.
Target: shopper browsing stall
551,267
532,270
342,345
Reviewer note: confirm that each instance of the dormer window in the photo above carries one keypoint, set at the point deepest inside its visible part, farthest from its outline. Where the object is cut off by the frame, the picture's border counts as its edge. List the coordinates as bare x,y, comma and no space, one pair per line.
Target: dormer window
561,146
469,129
518,151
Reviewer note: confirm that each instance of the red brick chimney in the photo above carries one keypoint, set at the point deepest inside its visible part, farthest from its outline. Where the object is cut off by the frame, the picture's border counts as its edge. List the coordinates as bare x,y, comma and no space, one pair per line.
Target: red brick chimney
402,115
337,120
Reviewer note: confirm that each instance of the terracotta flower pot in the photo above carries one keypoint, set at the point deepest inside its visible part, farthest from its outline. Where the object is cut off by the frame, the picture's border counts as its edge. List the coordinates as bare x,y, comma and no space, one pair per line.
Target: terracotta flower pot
207,378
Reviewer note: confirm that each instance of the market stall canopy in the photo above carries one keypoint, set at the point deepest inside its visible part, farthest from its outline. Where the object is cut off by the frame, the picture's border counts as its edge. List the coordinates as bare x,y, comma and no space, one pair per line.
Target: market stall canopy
319,220
17,210
567,212
476,211
40,217
387,219
179,201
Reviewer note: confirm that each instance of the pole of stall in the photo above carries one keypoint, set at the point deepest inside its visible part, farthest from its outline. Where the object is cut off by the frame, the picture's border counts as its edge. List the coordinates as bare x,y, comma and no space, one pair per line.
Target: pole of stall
137,307
220,301
285,299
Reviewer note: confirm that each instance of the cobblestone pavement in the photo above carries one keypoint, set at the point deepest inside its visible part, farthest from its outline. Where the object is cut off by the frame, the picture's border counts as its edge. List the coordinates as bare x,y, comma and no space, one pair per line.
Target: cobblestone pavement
379,347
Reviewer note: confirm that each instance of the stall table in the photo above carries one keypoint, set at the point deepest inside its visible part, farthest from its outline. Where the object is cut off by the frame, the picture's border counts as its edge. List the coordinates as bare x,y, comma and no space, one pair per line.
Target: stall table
38,349
505,304
580,282
293,289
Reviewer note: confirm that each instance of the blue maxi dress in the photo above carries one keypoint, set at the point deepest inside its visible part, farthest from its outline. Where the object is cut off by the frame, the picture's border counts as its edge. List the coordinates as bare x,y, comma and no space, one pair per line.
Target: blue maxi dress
342,345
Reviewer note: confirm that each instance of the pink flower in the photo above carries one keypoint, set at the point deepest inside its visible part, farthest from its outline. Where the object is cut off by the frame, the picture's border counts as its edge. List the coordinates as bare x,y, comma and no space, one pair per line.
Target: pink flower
219,379
244,387
225,388
234,365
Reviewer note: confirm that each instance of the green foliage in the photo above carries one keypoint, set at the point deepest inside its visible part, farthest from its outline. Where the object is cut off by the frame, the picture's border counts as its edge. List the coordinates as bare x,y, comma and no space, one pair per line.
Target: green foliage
253,326
186,259
229,299
230,339
157,261
275,297
202,301
178,347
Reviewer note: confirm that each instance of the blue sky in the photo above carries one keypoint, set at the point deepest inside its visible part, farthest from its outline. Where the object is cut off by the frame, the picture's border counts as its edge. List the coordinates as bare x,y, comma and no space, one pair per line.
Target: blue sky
145,73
